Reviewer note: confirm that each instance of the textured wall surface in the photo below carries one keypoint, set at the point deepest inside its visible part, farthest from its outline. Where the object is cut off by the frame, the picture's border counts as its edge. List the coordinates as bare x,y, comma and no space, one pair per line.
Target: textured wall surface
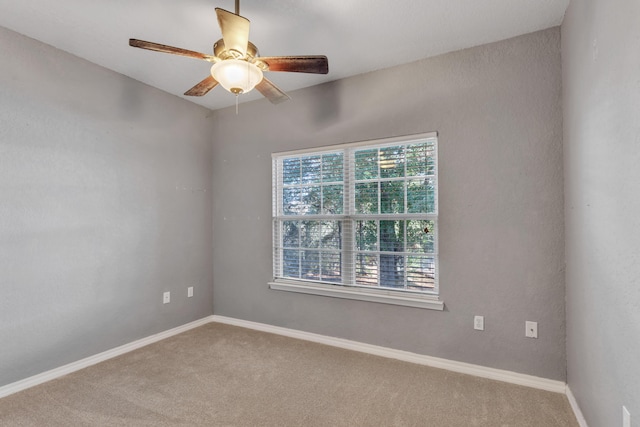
101,209
497,109
601,101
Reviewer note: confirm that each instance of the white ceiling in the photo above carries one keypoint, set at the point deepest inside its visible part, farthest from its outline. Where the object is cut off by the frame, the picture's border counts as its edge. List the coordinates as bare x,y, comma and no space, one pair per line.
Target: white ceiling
356,35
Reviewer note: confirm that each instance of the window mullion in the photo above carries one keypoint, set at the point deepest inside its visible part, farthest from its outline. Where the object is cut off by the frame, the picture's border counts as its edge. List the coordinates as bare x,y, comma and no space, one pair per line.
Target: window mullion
321,189
378,250
404,256
348,226
299,227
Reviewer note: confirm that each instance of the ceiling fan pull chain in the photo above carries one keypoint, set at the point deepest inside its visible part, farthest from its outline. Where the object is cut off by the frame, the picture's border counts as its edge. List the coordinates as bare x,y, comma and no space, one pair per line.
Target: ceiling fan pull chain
237,104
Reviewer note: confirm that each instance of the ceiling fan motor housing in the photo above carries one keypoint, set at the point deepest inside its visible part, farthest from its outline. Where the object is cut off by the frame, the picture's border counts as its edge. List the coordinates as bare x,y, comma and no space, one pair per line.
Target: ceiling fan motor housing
220,50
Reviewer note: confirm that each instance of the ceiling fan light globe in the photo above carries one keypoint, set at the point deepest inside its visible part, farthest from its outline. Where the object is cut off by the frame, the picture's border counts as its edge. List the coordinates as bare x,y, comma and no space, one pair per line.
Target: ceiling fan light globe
236,76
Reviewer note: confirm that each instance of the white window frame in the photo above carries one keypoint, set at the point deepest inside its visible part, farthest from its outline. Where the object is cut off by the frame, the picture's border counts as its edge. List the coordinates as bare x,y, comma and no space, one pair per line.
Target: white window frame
418,299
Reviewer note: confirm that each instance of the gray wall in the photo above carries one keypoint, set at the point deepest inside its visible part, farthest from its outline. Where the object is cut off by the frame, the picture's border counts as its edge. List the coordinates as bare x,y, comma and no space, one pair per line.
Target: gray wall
498,112
95,221
601,98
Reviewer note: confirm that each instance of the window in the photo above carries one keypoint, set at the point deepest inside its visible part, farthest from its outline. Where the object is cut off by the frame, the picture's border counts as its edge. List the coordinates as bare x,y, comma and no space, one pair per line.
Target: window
359,221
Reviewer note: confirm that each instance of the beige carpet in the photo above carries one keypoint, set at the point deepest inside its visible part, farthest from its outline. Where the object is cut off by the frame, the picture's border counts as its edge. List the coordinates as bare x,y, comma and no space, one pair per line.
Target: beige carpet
220,375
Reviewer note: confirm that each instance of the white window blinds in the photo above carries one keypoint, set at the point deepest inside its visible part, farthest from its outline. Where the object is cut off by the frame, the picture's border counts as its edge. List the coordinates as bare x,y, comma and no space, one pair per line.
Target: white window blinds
362,215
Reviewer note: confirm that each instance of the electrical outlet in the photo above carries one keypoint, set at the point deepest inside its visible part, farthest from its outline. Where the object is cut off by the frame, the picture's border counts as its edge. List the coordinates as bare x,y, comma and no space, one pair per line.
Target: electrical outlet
626,417
478,323
166,297
531,329
189,291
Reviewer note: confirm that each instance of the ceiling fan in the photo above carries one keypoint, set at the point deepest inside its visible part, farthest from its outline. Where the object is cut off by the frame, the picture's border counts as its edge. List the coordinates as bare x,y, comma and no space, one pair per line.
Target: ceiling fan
237,65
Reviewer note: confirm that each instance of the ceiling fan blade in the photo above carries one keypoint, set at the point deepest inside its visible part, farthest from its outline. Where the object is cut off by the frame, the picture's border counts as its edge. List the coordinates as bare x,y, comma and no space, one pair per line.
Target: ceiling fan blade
203,87
297,64
170,49
235,30
272,92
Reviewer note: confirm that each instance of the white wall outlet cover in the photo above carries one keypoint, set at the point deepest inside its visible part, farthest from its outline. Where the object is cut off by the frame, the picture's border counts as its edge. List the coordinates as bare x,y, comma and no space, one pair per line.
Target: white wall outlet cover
478,323
626,417
166,297
189,291
531,329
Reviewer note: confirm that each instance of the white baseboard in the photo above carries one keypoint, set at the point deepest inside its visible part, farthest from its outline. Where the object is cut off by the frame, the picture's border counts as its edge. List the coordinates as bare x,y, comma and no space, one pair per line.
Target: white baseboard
461,367
582,422
92,360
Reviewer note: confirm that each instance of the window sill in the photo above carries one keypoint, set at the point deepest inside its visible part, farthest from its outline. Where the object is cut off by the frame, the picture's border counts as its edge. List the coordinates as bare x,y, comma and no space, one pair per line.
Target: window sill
372,295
